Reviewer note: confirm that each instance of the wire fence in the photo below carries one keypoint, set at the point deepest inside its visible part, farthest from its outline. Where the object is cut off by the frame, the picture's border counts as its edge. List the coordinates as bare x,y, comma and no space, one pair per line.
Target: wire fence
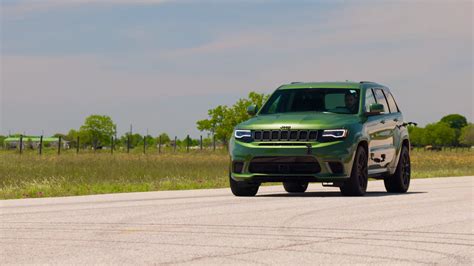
24,144
59,146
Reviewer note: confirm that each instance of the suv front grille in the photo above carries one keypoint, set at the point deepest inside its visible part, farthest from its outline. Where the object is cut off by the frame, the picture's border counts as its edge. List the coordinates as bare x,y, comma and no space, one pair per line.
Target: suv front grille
285,135
284,165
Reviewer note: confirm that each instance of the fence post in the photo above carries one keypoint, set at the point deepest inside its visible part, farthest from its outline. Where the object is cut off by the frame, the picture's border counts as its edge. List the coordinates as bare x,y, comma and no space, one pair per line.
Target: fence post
175,139
112,145
59,145
144,145
77,145
41,145
187,143
200,142
128,144
159,145
21,144
214,142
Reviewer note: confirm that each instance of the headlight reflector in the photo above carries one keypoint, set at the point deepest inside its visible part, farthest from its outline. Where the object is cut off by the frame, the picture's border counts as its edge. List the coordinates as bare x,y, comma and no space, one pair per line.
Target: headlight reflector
242,133
335,133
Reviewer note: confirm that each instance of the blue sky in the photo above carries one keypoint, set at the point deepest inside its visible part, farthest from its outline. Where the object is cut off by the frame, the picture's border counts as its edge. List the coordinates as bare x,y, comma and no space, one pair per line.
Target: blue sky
161,64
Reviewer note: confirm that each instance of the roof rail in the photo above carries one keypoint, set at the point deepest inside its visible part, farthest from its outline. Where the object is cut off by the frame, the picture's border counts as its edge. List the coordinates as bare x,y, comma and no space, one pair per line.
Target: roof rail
296,82
364,81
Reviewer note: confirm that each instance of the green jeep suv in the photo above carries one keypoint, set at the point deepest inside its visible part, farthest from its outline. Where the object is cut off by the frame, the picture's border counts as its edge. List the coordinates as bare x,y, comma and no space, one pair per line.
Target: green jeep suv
337,133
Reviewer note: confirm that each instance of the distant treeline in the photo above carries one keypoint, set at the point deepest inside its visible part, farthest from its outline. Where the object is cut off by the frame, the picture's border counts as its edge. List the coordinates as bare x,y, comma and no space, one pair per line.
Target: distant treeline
451,130
100,131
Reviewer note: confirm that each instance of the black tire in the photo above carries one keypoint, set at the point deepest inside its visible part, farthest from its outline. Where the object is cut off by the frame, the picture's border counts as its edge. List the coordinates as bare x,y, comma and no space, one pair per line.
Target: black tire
357,183
242,188
295,187
400,180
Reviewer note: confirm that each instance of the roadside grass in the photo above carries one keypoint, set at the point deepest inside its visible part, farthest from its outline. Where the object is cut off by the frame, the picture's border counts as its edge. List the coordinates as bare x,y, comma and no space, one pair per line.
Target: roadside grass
50,175
427,164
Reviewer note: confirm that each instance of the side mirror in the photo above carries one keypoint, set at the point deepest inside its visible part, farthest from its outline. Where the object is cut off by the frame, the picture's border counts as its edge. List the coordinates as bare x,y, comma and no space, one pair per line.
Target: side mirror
252,109
375,109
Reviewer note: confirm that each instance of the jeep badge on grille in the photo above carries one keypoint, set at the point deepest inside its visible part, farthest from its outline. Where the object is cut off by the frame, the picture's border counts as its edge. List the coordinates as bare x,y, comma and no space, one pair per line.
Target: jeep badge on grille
285,127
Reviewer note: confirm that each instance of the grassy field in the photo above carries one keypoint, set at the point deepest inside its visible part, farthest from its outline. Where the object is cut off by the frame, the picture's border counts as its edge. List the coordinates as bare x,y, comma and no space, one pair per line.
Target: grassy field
30,175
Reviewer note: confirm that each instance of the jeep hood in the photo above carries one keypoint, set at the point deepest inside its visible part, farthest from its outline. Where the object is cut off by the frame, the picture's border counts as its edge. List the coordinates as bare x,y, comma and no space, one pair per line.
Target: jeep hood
306,120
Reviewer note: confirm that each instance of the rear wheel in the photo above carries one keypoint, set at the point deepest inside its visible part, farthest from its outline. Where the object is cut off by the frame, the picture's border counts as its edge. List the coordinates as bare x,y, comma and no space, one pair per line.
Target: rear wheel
357,183
295,187
400,180
242,188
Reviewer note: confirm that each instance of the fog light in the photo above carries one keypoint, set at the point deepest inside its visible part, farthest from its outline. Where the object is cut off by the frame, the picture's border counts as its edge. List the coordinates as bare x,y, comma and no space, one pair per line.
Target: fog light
336,167
237,167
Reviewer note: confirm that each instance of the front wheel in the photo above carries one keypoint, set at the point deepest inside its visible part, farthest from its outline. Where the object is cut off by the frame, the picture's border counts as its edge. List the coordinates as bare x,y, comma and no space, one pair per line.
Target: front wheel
357,183
400,180
295,187
242,188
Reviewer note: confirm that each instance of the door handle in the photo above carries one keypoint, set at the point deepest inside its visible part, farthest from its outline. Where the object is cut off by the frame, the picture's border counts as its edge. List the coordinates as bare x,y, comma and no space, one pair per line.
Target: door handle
382,121
395,120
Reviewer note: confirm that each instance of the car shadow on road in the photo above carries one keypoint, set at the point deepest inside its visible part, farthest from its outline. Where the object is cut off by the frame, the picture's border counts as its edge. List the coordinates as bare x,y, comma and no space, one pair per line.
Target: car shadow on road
336,194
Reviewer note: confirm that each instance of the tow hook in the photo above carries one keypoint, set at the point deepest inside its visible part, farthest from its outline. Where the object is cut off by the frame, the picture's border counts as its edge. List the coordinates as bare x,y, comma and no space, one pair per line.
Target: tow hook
310,149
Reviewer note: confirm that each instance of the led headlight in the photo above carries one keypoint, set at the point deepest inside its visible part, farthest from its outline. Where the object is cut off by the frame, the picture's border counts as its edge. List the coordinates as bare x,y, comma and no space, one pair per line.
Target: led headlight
335,133
242,133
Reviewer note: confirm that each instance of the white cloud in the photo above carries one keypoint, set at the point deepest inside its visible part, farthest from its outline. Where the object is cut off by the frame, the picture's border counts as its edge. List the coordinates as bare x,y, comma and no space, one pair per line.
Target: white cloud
225,44
397,23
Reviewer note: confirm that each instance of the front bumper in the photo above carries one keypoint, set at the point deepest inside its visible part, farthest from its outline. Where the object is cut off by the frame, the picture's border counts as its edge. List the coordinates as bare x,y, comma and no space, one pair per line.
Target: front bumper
325,153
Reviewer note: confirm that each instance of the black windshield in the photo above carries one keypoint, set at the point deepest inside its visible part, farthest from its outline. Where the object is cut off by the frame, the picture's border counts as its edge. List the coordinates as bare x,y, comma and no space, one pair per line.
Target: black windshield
343,101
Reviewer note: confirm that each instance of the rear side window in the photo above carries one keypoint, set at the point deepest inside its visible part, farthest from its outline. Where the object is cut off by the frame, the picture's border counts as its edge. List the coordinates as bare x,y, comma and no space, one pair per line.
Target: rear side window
381,99
391,102
369,99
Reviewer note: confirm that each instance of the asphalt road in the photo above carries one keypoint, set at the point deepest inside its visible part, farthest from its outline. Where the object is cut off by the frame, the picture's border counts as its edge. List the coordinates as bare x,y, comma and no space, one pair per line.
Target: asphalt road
433,223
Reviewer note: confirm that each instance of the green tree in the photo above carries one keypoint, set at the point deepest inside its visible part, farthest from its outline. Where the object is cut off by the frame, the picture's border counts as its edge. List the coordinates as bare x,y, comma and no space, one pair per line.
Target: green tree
467,135
165,139
57,135
135,140
98,130
2,139
223,119
84,138
150,141
439,134
72,137
456,121
417,136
